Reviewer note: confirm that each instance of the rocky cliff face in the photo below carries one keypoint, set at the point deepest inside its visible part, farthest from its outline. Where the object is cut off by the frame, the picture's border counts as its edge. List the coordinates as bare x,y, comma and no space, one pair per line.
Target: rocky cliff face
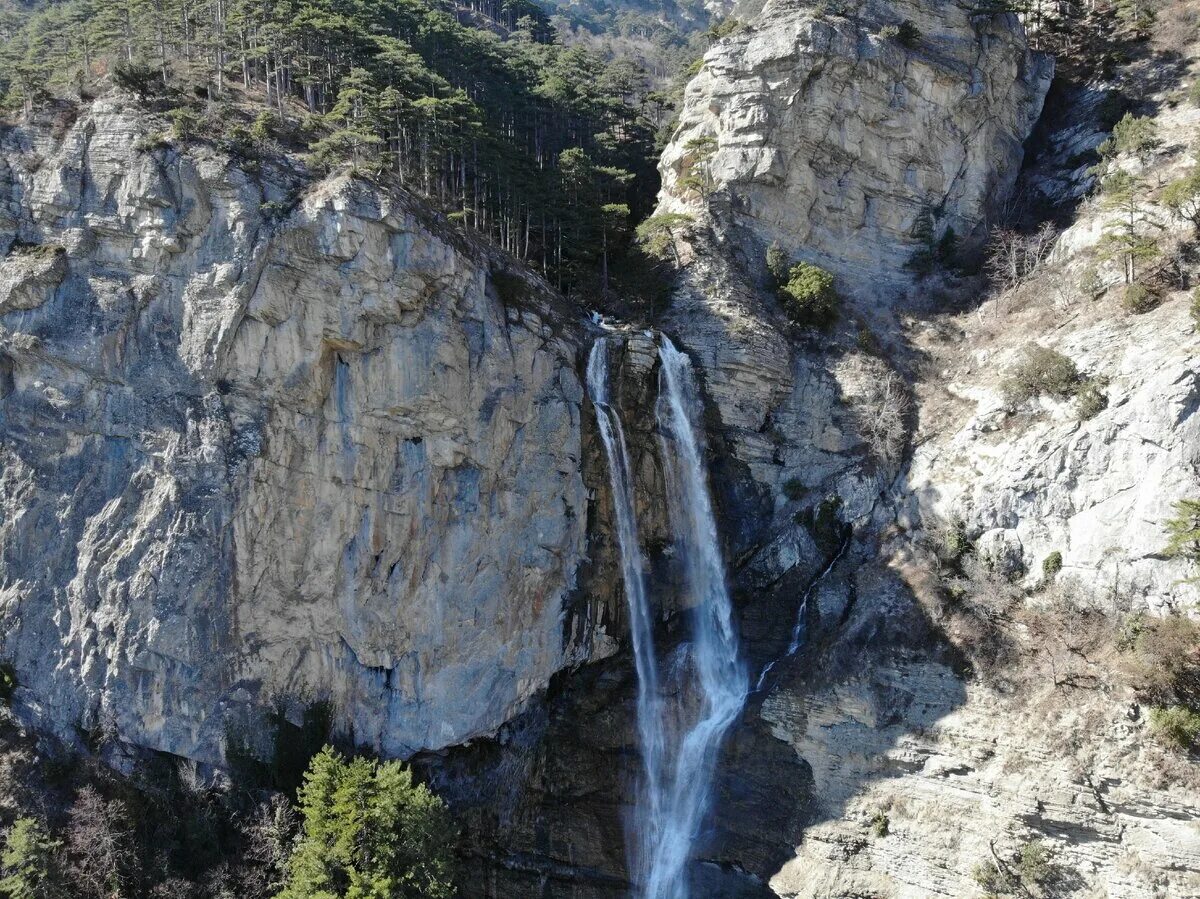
836,129
265,438
907,765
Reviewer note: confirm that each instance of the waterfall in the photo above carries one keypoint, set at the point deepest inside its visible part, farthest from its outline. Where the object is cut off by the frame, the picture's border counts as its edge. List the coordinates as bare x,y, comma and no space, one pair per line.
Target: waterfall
720,674
647,823
677,768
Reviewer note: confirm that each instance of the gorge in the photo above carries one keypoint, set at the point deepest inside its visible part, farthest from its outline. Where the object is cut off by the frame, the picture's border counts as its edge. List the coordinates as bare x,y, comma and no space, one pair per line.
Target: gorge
692,597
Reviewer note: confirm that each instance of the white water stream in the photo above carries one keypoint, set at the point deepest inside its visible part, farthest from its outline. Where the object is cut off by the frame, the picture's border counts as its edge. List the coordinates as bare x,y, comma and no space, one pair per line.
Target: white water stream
678,762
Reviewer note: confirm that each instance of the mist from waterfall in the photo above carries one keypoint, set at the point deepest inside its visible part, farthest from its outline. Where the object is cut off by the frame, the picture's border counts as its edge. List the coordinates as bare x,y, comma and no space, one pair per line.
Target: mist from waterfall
678,766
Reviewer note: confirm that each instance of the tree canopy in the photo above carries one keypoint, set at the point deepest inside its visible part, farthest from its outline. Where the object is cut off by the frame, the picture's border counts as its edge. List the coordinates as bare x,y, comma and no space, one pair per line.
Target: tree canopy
524,139
369,832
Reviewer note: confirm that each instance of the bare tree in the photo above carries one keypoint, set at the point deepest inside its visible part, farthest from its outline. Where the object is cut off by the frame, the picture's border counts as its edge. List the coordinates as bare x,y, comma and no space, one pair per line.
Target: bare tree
1013,256
101,841
883,418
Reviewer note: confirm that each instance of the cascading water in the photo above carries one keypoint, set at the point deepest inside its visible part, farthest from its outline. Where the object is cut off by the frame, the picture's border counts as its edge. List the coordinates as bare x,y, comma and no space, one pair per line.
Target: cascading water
647,824
719,671
674,797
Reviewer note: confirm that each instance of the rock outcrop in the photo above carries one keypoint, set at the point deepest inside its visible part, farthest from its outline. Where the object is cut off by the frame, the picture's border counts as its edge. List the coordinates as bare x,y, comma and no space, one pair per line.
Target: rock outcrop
270,439
853,134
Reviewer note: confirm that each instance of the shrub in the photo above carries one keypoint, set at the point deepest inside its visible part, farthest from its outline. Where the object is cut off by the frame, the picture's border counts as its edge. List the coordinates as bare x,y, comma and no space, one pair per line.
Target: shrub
880,824
1031,869
1041,371
1052,565
779,263
185,123
100,834
264,126
724,28
1136,135
908,34
809,297
1092,283
1012,255
882,413
1177,726
1165,663
143,80
867,341
823,8
1195,306
993,880
955,545
1182,197
794,489
1091,401
1138,298
1034,865
368,830
148,143
1193,93
8,682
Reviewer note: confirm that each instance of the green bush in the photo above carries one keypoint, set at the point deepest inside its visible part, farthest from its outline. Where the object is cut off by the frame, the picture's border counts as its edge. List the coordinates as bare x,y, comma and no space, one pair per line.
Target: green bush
1041,371
1195,306
993,880
809,297
1052,565
1025,874
1193,93
156,140
908,34
1177,726
1136,135
8,682
368,830
794,489
881,824
956,545
779,263
1034,864
1138,298
185,123
1183,531
1091,401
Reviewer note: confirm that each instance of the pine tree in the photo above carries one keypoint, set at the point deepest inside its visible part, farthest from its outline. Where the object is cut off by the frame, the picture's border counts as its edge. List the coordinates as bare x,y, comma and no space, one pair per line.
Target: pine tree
1183,531
30,862
369,833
